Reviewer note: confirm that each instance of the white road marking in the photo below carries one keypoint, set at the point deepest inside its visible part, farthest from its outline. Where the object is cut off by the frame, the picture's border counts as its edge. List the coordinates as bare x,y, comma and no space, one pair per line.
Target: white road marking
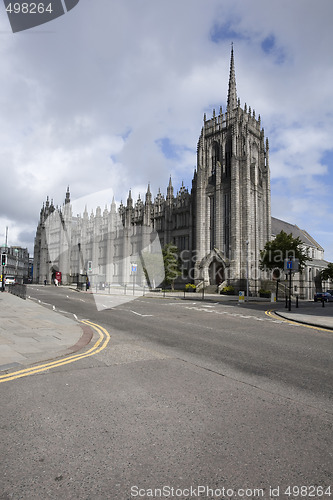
202,308
142,315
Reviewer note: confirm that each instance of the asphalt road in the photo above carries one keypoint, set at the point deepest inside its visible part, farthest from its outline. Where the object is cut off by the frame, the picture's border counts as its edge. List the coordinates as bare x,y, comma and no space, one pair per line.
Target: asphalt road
185,395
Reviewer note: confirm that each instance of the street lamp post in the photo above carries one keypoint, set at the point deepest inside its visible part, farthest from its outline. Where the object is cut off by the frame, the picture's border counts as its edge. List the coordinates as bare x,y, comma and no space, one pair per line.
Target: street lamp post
4,264
16,265
247,270
3,279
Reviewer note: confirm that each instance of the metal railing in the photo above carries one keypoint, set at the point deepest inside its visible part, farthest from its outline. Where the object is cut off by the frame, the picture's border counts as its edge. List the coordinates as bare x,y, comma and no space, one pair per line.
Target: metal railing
18,290
200,286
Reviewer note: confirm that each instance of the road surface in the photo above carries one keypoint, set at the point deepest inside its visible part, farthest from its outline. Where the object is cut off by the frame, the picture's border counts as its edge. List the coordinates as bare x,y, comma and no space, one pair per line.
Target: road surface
187,400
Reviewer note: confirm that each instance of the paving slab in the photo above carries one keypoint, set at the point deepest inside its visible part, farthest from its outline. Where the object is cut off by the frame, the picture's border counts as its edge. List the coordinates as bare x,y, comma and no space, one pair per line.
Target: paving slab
310,313
31,333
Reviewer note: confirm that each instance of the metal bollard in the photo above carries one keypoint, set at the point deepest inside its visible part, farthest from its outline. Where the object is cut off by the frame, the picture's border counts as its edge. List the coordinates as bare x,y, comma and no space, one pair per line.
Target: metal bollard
323,302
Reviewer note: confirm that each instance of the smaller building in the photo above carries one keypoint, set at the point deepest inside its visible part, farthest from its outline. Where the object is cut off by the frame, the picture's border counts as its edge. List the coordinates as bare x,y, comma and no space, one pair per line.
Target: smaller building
17,263
305,284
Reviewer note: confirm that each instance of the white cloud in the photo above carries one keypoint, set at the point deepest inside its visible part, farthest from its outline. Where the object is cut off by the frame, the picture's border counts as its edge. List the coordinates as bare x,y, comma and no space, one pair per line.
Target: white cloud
86,98
298,151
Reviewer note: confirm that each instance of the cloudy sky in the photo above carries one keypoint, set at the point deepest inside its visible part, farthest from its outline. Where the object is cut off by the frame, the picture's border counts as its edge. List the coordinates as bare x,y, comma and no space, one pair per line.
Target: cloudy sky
111,96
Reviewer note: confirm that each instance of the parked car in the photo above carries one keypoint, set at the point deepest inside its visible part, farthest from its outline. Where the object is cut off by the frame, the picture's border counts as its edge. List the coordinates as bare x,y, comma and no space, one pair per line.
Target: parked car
10,280
327,296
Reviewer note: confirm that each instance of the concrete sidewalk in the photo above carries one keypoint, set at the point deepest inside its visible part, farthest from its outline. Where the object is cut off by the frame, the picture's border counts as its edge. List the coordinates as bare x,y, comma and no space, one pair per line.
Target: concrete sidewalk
310,313
31,333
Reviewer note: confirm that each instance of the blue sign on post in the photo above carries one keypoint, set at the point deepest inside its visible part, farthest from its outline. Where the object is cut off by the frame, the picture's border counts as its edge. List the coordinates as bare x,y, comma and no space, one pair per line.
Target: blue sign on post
134,268
291,265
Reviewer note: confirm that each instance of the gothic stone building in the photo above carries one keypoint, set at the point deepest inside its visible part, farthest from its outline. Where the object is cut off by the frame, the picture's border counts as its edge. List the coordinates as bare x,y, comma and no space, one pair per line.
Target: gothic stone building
231,193
219,227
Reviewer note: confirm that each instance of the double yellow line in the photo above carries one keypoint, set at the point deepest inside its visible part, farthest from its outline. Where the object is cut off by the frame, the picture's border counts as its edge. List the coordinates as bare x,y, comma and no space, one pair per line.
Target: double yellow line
271,313
101,343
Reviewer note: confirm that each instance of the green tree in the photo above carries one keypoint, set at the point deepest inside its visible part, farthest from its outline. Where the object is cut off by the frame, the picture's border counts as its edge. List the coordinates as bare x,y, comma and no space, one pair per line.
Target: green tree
171,264
284,246
327,273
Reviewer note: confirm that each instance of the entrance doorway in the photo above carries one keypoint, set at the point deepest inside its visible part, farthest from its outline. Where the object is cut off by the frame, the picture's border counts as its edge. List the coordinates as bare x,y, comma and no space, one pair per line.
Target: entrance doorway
216,272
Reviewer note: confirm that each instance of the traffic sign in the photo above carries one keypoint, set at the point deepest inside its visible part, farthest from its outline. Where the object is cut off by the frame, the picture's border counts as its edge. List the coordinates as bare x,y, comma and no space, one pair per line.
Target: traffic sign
291,265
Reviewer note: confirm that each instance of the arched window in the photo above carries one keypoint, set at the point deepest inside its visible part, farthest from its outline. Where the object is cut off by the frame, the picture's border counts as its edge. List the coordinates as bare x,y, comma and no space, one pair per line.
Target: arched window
215,155
228,157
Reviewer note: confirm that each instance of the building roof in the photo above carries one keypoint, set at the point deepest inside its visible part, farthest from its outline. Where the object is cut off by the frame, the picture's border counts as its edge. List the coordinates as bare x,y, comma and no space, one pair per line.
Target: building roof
279,225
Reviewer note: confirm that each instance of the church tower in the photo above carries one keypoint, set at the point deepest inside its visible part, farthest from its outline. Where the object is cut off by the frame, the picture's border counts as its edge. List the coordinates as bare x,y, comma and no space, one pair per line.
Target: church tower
231,194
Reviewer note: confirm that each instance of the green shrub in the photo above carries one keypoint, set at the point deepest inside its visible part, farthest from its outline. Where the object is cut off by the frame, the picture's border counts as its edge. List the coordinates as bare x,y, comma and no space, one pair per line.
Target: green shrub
189,287
228,290
264,293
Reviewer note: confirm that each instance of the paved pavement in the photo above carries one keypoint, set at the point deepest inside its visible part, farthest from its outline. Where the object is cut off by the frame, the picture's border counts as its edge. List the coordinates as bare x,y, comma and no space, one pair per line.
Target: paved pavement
309,313
31,333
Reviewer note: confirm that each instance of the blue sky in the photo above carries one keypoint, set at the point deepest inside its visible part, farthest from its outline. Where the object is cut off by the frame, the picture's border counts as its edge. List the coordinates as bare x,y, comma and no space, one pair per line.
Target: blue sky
109,99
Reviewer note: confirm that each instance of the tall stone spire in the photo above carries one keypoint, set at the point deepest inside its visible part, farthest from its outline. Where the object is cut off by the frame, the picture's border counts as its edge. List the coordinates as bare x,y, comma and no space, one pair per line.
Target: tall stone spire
68,197
232,92
148,195
113,205
170,190
130,200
